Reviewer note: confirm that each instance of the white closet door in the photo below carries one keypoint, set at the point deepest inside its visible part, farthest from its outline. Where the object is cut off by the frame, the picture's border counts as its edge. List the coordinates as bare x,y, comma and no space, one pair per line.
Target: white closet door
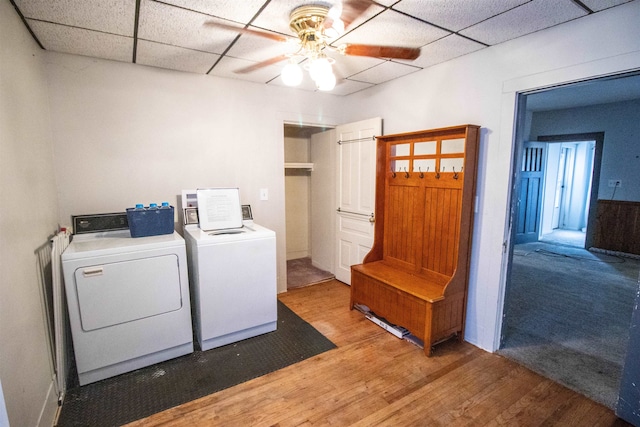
356,179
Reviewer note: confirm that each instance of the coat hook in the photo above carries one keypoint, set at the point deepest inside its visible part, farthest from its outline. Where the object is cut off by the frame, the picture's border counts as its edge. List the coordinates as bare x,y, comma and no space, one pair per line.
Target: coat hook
455,174
393,173
406,174
438,173
421,173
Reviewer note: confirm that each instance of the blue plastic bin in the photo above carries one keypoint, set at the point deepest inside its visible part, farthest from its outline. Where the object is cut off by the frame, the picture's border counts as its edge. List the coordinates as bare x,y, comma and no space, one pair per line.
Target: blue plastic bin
150,222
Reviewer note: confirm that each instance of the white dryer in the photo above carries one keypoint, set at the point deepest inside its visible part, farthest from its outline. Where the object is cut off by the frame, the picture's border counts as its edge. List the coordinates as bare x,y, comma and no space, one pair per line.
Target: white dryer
128,301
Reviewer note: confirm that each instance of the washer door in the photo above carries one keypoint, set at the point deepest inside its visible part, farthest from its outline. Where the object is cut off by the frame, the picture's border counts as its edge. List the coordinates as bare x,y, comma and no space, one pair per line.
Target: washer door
110,294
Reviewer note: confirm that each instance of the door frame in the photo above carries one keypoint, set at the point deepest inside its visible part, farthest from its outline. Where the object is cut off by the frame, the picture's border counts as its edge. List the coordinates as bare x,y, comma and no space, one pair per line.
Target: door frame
598,137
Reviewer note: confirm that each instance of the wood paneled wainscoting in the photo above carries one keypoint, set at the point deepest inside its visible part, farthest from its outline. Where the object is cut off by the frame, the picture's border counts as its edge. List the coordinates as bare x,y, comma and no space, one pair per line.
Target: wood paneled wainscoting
618,226
375,379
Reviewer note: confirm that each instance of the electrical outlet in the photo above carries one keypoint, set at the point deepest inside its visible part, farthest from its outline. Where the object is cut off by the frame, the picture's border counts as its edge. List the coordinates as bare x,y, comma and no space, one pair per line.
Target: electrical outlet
615,183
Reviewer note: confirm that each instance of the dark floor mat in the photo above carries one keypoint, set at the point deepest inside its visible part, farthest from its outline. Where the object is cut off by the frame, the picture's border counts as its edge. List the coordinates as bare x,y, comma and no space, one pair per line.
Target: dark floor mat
138,394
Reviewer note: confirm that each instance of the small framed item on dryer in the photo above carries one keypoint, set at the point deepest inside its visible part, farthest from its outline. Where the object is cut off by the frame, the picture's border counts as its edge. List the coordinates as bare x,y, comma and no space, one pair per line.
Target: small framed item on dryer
246,213
190,216
219,208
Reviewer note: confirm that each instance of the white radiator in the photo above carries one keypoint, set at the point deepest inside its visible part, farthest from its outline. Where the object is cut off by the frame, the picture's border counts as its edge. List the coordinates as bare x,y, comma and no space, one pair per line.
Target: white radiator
55,308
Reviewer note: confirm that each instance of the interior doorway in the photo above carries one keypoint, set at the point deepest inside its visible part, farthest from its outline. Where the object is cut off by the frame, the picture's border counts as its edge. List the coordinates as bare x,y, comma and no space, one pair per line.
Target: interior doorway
304,167
555,191
567,192
559,298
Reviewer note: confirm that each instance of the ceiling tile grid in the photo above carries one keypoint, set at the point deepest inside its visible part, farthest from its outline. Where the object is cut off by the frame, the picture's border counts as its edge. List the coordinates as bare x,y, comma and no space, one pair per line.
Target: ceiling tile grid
445,49
526,19
455,15
109,16
238,11
391,26
174,58
598,5
182,34
384,72
227,66
181,27
78,41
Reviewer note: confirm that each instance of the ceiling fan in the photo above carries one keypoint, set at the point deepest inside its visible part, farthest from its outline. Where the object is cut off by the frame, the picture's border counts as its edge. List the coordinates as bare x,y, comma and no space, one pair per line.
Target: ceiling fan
316,25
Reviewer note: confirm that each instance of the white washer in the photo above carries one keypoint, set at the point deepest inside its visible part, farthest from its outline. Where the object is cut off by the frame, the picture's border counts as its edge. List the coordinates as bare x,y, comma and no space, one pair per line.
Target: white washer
233,283
128,301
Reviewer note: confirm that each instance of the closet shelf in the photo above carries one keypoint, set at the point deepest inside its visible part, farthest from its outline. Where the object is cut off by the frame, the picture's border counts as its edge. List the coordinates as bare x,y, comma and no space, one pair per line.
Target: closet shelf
308,166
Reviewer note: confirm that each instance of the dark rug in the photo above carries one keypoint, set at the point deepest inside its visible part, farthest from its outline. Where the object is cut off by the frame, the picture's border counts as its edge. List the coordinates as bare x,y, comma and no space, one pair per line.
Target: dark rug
301,272
138,394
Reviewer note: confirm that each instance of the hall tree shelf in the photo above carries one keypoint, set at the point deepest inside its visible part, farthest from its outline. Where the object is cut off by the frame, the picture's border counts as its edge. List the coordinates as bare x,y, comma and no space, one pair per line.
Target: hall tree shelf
307,166
417,272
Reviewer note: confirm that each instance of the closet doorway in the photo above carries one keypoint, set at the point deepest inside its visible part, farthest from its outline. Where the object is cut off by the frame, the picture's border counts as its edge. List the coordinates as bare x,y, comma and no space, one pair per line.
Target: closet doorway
309,187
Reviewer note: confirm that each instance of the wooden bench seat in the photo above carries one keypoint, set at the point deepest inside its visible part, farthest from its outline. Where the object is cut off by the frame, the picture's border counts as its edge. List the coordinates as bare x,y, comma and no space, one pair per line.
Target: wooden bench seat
408,300
418,286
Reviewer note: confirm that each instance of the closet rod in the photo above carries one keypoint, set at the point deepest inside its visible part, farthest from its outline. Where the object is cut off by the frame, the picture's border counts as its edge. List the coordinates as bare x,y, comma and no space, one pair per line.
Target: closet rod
348,141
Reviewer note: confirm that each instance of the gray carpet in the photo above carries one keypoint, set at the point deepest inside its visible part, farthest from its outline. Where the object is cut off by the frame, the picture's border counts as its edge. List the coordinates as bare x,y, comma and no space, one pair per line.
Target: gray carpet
567,316
301,272
138,394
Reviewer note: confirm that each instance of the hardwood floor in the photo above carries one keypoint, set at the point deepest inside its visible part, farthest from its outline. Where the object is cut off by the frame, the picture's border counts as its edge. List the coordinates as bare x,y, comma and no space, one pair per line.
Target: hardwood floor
373,378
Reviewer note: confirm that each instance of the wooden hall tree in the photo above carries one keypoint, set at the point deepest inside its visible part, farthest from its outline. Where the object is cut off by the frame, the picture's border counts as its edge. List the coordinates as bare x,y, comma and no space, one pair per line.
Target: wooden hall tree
417,273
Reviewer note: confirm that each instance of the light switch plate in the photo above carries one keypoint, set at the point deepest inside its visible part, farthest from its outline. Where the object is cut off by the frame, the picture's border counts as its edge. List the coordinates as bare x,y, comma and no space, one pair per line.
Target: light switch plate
264,194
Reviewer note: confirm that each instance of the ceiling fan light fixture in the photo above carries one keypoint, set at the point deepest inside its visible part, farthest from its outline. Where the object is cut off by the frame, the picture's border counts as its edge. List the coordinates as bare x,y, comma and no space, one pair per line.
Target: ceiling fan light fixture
319,68
291,74
327,82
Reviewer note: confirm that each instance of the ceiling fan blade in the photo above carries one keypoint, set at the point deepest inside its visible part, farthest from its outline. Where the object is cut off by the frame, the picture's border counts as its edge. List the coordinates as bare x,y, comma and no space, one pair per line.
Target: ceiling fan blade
271,36
351,10
394,52
262,64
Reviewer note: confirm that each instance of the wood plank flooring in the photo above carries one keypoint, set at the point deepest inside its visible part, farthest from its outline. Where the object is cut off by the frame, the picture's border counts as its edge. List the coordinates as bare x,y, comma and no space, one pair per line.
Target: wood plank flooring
375,379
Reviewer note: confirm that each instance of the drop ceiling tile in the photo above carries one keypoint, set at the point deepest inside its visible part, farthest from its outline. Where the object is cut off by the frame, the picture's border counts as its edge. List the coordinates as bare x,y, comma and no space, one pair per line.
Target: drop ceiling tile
234,10
528,18
384,72
174,58
61,38
455,15
597,5
227,67
179,27
347,66
443,50
347,87
256,48
391,28
109,16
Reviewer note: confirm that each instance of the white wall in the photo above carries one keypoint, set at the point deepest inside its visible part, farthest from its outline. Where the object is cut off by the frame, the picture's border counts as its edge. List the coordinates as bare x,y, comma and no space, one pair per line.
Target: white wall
126,134
480,88
620,154
28,217
297,184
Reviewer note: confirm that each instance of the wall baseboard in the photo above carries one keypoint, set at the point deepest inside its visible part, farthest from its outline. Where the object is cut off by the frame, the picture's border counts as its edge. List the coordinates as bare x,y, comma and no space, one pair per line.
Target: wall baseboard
50,409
